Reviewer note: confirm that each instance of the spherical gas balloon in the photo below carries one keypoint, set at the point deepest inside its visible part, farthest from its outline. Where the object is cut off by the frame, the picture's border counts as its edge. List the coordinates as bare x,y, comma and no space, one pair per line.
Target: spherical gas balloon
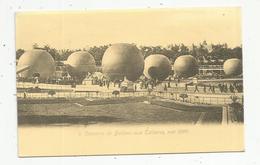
185,66
122,60
38,63
80,63
233,67
157,67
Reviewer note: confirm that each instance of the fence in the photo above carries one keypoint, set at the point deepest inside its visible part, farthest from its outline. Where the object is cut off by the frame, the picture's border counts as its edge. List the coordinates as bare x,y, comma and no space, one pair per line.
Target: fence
192,98
201,99
220,67
45,86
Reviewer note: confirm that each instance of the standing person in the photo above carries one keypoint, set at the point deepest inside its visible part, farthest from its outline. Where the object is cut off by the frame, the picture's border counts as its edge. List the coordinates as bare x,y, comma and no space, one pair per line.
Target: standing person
165,87
186,87
169,82
210,88
196,89
226,88
204,88
231,88
220,88
135,87
213,89
108,84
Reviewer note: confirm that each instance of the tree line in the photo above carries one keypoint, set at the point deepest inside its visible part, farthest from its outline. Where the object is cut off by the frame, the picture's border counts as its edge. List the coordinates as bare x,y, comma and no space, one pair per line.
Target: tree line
205,53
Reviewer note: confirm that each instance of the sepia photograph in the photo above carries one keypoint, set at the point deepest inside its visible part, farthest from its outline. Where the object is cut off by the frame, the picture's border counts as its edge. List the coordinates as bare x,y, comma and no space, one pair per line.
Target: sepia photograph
139,81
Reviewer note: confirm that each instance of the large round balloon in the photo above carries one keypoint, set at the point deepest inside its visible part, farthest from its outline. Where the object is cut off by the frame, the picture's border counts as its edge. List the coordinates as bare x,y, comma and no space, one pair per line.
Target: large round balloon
80,63
185,66
36,62
123,60
233,67
157,67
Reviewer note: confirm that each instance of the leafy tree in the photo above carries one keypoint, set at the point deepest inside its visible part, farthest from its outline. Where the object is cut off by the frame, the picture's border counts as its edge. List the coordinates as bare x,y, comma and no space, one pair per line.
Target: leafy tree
98,53
19,52
54,53
51,92
205,53
236,52
184,50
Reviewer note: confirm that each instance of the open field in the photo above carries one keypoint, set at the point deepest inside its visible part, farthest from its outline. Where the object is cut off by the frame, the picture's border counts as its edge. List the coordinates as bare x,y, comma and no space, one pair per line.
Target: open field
82,112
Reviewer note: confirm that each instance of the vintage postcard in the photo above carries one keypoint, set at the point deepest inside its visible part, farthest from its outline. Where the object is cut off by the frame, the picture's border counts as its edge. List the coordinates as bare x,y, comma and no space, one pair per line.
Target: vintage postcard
140,81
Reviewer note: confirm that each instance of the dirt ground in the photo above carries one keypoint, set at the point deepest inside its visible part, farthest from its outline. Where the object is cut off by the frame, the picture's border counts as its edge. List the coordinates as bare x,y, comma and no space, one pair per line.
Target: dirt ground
78,113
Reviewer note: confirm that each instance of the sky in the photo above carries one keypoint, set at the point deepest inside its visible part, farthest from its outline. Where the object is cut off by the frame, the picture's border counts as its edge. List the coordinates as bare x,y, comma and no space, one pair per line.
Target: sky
151,27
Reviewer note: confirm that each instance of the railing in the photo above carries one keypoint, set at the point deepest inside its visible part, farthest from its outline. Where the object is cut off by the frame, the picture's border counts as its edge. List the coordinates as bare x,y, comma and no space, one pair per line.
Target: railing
191,98
45,86
173,93
201,99
211,67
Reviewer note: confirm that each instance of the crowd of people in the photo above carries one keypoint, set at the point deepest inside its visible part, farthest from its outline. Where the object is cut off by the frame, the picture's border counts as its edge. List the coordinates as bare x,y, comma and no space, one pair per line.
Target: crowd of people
101,82
235,87
222,88
150,84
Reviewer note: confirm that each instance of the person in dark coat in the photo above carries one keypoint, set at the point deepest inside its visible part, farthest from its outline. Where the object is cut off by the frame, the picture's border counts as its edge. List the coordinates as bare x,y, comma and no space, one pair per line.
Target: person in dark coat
186,87
196,89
